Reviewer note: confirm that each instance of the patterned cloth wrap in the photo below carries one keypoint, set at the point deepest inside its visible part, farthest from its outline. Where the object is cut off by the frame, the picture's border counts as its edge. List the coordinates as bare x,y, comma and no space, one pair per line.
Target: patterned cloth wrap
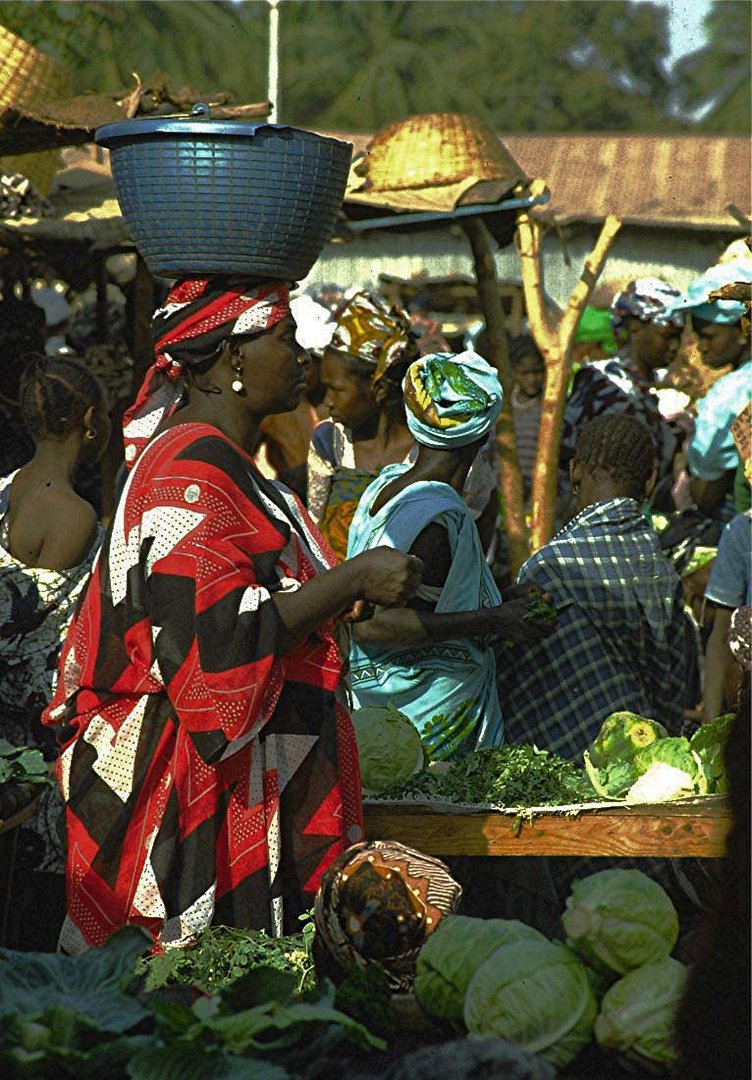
451,400
377,904
650,299
371,331
36,607
695,298
448,688
198,315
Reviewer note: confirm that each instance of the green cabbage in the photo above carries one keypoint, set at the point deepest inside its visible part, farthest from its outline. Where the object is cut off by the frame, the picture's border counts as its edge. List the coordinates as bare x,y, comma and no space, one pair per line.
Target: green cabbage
536,994
452,955
621,736
638,1016
389,747
709,743
620,919
664,768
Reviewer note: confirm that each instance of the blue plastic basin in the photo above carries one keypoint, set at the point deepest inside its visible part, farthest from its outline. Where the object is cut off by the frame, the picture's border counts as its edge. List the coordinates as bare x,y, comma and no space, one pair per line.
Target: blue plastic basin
204,196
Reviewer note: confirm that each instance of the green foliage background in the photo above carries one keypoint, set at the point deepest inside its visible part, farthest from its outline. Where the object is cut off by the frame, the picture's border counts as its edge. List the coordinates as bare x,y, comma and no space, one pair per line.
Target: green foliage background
524,65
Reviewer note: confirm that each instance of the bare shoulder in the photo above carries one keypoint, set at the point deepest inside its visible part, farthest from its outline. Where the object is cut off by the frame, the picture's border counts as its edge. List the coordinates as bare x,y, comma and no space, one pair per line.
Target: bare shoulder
61,525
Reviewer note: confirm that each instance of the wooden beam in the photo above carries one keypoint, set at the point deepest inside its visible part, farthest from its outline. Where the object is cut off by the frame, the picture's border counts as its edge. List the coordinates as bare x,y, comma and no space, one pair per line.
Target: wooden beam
666,830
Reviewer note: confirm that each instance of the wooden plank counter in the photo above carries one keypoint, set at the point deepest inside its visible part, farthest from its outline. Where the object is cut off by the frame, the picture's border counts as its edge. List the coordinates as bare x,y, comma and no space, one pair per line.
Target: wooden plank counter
687,827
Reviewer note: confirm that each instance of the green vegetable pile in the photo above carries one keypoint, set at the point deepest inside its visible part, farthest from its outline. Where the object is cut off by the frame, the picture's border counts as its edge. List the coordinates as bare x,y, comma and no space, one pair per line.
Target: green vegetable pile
220,955
513,776
22,765
86,1016
501,978
634,758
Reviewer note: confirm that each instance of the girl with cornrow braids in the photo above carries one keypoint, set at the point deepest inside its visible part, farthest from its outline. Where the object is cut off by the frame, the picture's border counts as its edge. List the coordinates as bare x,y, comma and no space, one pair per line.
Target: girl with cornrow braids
48,538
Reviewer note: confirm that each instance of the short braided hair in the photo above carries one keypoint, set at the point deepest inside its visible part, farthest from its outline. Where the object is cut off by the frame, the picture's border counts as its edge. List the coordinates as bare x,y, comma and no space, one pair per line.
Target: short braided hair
623,447
55,393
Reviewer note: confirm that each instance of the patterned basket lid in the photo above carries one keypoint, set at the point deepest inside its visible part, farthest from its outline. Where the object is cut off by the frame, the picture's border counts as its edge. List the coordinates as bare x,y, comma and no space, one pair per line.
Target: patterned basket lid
377,904
433,150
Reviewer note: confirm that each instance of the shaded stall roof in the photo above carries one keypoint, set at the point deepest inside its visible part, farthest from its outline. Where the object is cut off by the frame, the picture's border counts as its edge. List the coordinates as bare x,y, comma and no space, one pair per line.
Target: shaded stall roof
688,181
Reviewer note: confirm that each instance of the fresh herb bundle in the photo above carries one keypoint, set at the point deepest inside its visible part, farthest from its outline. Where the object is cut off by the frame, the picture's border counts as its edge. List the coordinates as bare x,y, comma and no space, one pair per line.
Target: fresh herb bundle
514,776
220,955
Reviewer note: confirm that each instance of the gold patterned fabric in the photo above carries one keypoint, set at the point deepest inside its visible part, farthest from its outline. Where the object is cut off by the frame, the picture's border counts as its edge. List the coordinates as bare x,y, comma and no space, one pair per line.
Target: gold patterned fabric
372,331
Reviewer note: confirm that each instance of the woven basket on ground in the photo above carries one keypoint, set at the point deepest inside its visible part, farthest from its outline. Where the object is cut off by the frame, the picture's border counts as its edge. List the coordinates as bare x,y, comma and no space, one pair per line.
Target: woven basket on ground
435,149
27,76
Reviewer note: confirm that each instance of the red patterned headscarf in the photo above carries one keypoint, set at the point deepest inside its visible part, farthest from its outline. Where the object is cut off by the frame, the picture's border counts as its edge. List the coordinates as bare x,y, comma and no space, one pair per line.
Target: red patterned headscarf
198,315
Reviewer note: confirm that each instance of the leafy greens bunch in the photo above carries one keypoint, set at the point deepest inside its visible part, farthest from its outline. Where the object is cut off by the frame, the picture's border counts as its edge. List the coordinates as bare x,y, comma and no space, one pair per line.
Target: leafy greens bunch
22,765
219,955
508,776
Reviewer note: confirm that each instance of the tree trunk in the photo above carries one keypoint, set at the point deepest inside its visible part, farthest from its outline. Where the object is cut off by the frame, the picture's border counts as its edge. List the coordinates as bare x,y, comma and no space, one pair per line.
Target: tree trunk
510,480
556,345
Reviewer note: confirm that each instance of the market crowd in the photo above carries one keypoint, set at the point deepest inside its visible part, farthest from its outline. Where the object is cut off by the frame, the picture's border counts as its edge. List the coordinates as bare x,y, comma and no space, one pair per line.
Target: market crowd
309,522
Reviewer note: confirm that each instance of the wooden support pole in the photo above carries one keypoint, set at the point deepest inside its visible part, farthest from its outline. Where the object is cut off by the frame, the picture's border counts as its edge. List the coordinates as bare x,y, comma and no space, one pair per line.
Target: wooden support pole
555,343
510,479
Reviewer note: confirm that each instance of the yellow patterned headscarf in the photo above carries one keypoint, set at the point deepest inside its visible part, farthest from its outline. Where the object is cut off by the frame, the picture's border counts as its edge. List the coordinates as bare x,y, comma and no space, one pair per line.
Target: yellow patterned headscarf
372,331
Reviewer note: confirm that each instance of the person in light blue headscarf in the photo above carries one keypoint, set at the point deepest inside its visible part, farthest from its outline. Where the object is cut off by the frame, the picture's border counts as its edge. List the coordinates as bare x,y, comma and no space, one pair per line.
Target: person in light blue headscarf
723,338
434,660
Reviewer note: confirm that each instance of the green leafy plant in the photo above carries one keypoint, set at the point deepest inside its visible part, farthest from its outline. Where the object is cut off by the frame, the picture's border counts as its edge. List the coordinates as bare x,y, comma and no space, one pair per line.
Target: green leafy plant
221,955
22,765
515,776
709,743
71,1015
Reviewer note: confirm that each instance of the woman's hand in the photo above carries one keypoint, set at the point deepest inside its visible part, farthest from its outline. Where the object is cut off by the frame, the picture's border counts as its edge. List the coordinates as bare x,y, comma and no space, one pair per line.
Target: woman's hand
511,622
386,577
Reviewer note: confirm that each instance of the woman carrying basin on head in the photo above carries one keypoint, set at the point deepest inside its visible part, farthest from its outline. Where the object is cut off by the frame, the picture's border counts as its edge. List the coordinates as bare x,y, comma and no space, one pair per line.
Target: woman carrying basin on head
208,767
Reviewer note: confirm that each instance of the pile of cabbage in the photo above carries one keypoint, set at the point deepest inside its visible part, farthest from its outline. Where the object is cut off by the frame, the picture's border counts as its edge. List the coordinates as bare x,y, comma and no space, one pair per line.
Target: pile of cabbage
635,759
613,980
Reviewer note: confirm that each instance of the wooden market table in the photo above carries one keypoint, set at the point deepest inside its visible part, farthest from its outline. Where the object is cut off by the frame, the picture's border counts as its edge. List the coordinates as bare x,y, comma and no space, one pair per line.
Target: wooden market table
695,826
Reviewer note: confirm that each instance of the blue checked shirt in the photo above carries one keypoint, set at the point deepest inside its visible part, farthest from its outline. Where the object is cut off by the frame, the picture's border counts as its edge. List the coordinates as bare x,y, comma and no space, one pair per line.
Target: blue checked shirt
620,637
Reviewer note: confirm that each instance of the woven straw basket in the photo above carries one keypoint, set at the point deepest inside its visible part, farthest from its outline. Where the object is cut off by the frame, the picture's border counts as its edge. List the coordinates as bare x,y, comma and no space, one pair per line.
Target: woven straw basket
27,76
433,150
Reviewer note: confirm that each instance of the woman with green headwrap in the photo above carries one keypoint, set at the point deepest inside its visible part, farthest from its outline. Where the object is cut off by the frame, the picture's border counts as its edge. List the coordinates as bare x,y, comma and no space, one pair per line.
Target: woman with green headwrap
434,660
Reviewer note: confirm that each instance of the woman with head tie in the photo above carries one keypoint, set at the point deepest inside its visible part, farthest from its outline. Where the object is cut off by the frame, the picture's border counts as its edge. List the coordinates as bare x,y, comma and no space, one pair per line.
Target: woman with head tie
208,767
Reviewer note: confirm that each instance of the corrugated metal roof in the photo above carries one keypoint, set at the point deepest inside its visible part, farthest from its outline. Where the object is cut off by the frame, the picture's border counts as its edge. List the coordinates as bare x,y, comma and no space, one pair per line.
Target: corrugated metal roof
663,180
